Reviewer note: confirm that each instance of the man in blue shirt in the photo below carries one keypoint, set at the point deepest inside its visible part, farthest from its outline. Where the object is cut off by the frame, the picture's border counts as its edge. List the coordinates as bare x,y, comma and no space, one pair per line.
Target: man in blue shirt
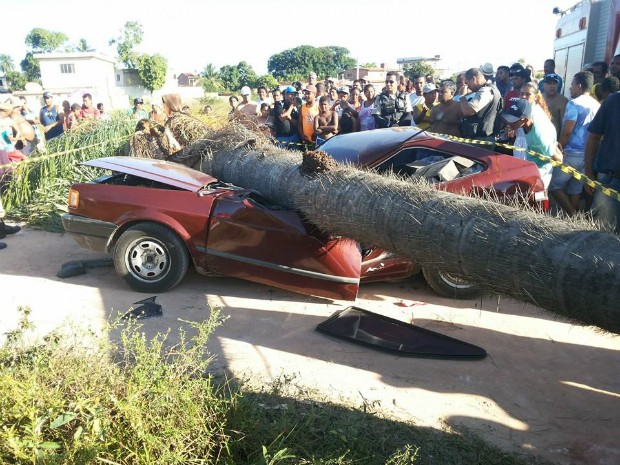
138,112
51,117
580,111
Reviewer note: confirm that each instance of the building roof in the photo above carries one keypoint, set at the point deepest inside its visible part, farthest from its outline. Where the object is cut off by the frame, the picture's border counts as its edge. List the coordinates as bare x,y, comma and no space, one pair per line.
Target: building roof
73,56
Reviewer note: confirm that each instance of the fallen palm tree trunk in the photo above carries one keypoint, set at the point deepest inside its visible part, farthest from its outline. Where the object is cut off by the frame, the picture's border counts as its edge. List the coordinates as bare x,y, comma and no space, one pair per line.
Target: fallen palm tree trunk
558,265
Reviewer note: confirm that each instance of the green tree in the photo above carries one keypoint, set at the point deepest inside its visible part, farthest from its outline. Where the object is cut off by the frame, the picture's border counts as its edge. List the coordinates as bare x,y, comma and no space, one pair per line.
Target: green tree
369,65
229,75
152,71
30,67
6,63
42,40
15,80
247,75
418,68
130,37
83,46
267,80
211,79
298,62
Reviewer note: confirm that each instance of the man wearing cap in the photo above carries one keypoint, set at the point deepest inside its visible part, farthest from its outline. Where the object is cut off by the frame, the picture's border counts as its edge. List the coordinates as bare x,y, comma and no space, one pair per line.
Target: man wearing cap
392,108
309,109
518,76
246,109
488,71
12,121
422,111
538,131
480,107
138,112
549,68
555,101
286,117
580,111
51,117
348,117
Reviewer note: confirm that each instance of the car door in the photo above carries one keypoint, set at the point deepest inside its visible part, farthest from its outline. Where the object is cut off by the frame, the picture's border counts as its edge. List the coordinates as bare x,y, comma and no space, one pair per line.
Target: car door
252,239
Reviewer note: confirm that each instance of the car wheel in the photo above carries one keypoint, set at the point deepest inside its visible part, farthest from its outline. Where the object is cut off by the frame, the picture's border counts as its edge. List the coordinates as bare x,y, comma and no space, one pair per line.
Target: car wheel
150,258
450,285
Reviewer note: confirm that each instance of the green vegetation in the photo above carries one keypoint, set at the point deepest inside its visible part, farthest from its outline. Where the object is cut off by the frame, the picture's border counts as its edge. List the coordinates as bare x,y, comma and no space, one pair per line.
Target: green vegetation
152,71
298,62
37,192
122,398
420,68
129,38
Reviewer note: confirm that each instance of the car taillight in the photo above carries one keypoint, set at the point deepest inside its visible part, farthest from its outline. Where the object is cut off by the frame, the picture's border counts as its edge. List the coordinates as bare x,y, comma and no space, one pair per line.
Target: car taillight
74,198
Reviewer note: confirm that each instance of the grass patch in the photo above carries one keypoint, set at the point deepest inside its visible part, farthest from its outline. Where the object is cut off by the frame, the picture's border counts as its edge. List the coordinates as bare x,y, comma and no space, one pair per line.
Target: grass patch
76,397
37,190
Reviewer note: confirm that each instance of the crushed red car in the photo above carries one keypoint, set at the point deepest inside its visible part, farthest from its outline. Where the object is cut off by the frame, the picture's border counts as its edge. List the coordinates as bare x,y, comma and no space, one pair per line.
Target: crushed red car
157,218
447,164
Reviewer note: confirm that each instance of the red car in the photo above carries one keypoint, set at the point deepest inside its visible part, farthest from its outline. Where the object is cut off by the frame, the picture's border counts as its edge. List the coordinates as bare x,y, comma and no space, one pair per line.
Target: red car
157,217
447,164
450,165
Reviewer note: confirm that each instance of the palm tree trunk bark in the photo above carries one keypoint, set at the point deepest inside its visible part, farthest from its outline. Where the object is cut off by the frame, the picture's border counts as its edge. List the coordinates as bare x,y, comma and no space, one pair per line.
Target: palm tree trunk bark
558,265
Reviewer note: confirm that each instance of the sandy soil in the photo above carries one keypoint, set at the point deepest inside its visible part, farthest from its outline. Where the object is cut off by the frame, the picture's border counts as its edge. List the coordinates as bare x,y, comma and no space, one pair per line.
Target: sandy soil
548,387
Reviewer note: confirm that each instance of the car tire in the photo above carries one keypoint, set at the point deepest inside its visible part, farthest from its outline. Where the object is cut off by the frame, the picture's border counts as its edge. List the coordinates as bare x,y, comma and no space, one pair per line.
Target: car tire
450,285
150,258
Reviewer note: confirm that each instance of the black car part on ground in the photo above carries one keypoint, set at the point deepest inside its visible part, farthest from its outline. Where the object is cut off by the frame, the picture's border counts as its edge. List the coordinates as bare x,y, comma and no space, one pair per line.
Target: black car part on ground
360,326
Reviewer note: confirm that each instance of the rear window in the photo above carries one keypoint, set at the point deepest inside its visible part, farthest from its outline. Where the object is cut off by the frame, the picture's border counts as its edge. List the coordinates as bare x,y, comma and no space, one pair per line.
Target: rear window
433,165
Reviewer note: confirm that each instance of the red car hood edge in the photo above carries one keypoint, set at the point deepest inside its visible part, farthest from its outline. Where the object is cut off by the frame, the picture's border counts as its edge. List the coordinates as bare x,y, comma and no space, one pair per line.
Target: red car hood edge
173,174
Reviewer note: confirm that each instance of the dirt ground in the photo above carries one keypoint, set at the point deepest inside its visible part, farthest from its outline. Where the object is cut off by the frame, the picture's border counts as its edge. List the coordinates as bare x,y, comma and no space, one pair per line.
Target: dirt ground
548,387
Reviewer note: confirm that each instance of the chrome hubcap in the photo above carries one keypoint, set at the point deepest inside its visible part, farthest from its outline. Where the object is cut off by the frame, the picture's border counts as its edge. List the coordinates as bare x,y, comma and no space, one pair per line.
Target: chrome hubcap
147,259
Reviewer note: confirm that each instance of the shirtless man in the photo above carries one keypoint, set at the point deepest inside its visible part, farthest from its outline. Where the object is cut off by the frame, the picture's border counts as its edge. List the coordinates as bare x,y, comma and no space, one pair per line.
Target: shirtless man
326,122
246,110
555,101
446,115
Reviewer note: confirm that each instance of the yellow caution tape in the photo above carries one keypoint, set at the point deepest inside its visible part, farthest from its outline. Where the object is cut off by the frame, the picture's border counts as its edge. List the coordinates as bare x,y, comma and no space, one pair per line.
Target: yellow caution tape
565,168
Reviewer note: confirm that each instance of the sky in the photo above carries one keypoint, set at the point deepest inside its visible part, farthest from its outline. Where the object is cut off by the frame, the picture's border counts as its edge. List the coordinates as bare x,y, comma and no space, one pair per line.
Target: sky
193,33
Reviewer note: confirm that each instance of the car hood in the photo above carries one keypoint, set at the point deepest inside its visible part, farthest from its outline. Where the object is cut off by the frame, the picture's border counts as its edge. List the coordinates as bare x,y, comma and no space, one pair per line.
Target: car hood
173,174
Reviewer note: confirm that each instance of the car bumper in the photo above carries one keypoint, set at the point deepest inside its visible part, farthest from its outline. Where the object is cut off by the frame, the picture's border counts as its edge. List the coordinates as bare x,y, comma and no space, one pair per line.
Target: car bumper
88,233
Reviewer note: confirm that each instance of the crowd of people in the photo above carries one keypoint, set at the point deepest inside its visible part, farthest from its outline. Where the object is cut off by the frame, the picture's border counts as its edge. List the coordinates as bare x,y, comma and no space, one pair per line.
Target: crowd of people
508,105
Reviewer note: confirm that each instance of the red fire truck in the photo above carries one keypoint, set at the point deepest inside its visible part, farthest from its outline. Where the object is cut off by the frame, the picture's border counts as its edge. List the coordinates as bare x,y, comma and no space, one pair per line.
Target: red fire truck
585,33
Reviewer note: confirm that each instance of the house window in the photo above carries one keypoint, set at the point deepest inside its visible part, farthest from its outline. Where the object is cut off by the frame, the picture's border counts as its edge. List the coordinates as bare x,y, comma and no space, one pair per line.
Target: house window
67,68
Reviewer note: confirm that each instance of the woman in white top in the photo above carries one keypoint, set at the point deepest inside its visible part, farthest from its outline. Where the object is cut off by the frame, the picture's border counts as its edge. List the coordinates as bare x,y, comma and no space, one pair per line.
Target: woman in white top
367,121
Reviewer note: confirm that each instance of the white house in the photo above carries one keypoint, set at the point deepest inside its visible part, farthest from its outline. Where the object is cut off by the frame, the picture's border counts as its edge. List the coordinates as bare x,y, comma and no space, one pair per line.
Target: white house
67,74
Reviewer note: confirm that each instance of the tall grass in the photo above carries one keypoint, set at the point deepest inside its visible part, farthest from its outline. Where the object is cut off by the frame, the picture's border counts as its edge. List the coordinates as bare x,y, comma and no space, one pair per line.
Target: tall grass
80,398
38,187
